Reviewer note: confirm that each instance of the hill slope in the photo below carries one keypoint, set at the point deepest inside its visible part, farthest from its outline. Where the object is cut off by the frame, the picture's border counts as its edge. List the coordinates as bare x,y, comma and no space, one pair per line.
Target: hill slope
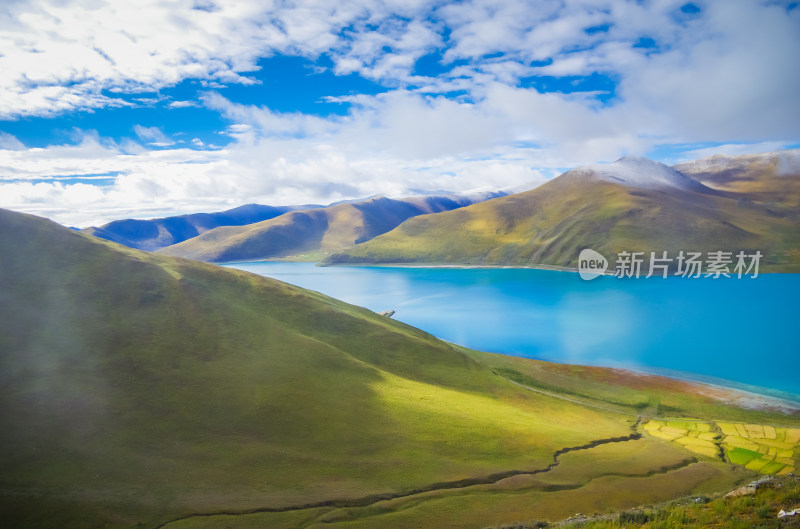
157,233
321,231
632,205
139,390
138,387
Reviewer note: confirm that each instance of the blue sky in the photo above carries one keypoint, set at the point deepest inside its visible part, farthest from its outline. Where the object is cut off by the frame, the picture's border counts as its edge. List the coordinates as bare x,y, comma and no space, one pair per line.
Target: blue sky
113,109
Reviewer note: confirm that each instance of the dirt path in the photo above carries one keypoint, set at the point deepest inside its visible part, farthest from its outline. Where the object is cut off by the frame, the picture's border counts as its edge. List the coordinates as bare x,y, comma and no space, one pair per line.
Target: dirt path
574,401
446,485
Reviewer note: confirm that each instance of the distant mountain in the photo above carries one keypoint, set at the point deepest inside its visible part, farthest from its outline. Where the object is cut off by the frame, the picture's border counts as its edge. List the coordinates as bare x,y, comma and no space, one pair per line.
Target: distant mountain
157,233
634,204
770,178
136,388
317,232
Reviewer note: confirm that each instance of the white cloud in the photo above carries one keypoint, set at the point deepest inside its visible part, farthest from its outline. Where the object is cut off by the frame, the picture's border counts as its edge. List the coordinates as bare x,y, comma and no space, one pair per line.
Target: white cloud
62,56
391,143
735,57
183,104
735,149
727,75
10,142
734,79
152,136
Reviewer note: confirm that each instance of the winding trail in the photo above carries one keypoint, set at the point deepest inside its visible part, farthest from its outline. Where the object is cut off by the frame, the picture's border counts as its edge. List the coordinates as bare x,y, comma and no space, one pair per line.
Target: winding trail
366,501
568,399
445,485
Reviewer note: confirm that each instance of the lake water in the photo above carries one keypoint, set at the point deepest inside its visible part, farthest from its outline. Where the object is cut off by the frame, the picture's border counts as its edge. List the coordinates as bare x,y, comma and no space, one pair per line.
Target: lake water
739,332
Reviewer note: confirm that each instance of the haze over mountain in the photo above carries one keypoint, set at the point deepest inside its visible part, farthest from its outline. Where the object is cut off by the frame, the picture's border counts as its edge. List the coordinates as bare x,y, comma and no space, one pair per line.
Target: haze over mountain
317,232
153,234
633,204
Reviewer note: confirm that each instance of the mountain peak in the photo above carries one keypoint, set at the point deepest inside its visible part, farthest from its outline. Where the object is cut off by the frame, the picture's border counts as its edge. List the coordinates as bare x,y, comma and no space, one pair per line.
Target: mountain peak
638,171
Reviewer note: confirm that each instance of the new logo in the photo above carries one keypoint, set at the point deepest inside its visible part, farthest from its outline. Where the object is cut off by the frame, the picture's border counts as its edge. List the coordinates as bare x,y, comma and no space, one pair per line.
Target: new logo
591,264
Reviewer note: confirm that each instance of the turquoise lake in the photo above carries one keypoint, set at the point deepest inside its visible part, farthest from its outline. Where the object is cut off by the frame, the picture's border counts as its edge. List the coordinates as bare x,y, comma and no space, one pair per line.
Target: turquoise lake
738,332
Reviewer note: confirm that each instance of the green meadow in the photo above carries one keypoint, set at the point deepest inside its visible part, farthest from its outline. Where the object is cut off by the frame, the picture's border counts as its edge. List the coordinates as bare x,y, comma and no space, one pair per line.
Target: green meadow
140,390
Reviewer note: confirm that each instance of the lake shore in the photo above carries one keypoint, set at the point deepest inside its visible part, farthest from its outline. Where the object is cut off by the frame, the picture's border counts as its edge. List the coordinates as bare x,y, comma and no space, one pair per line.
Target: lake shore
661,327
743,398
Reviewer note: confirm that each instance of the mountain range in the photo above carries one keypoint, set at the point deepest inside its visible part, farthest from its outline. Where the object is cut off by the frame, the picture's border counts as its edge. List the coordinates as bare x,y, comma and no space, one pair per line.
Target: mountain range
315,233
153,234
747,203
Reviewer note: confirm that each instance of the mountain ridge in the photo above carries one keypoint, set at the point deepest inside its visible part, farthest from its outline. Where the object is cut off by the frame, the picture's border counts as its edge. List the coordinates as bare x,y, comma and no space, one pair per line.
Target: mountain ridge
152,234
316,232
608,210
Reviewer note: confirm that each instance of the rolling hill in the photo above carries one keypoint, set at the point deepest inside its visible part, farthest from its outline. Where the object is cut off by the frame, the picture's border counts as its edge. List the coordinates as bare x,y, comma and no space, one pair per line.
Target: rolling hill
633,204
140,390
153,234
314,233
136,387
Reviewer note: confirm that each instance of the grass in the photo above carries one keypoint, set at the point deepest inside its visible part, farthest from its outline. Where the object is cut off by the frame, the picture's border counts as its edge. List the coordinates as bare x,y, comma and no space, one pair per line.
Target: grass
578,483
190,388
627,392
754,511
137,389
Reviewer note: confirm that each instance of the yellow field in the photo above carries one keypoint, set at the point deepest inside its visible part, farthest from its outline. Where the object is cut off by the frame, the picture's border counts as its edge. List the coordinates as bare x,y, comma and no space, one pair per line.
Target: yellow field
760,448
692,435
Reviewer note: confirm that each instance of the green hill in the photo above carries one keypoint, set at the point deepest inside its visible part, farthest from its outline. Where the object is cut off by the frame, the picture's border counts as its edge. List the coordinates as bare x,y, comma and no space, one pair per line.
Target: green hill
139,390
313,233
632,205
152,234
134,383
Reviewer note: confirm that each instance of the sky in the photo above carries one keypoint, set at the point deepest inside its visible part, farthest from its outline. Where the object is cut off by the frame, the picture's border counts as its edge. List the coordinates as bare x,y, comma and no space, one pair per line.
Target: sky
116,109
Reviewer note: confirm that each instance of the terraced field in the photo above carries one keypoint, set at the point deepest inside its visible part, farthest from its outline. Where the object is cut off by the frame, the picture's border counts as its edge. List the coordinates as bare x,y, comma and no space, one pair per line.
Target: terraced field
760,448
763,449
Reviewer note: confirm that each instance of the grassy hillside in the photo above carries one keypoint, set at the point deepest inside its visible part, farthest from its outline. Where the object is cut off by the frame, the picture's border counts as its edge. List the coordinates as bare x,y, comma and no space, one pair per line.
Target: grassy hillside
759,508
153,234
551,224
316,232
139,390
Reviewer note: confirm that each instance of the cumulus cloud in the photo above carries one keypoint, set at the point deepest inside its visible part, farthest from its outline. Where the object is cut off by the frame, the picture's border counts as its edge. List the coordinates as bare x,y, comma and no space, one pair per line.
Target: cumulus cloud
725,75
61,56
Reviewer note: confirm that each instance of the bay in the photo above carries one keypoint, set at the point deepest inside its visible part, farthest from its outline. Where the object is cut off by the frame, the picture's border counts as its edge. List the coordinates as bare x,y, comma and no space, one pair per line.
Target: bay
742,333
